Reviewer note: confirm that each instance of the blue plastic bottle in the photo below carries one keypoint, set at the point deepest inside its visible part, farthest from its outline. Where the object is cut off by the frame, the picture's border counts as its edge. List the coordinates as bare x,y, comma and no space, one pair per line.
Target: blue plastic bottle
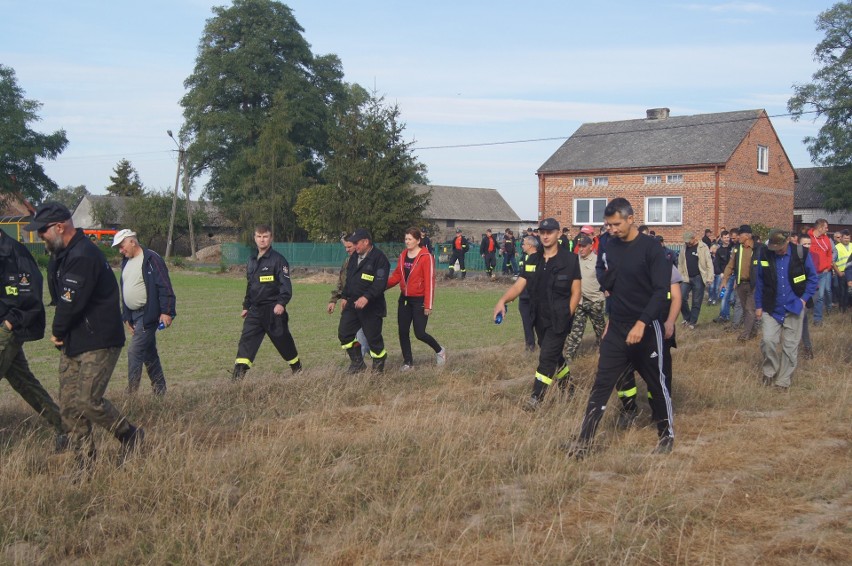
499,318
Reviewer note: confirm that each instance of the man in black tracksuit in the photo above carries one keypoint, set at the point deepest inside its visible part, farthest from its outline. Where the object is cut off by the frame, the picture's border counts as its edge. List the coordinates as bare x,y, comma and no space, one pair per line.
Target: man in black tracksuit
364,303
555,289
638,278
488,250
265,306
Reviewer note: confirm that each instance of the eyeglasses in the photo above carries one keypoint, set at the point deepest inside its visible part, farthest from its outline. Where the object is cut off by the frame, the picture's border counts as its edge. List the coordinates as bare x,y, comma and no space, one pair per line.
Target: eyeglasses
44,229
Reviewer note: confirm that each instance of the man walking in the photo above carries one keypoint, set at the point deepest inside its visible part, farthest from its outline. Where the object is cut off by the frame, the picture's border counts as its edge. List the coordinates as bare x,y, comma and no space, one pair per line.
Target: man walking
364,303
268,291
696,267
822,256
147,304
742,267
591,304
88,331
638,279
488,250
22,316
786,281
459,247
843,251
554,290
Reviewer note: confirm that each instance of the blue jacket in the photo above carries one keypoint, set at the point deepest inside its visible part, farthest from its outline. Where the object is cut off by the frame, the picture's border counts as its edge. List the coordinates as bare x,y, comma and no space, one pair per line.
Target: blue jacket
158,286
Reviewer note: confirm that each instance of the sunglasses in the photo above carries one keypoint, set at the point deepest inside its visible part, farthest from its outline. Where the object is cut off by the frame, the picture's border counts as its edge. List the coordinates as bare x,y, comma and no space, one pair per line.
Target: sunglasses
44,229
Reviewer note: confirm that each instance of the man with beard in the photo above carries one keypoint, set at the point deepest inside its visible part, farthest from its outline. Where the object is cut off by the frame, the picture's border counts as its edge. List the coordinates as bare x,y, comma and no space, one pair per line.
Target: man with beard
87,330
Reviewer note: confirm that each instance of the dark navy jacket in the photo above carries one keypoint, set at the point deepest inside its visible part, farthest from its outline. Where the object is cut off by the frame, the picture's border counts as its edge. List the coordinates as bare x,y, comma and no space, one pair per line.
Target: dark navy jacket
20,290
158,287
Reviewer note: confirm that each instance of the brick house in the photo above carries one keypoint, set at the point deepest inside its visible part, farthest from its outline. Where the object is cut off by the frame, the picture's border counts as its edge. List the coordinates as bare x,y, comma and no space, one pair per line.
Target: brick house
679,173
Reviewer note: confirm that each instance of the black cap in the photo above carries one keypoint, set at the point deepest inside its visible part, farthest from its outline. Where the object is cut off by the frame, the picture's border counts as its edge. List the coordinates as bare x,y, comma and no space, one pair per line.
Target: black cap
745,229
48,213
548,224
584,241
360,234
458,230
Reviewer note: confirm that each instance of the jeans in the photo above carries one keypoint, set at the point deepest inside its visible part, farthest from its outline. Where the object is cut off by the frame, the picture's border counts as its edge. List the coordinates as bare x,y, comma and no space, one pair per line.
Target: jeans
729,299
696,285
713,292
143,351
509,259
823,295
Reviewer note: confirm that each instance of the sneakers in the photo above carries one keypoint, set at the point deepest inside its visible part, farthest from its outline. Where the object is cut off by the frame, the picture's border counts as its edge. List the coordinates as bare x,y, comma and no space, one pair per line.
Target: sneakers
626,419
690,326
720,319
60,443
406,367
532,404
441,357
808,353
664,446
131,441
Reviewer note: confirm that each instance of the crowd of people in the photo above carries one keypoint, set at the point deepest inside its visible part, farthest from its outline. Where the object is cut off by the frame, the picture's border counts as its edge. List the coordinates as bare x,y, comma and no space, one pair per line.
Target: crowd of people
623,280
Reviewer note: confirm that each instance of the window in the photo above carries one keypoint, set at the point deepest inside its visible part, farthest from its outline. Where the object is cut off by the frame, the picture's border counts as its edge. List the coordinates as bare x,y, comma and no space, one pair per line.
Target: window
601,181
581,182
763,159
664,210
653,179
589,210
674,178
451,223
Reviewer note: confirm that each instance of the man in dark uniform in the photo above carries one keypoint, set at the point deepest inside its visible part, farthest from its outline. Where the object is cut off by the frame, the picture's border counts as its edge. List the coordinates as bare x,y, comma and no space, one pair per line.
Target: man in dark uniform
88,331
22,316
265,306
364,303
638,277
488,250
459,247
529,245
555,290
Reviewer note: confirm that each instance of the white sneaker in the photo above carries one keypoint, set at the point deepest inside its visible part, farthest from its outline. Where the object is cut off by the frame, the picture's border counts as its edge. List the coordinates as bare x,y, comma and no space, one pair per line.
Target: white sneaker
406,367
441,357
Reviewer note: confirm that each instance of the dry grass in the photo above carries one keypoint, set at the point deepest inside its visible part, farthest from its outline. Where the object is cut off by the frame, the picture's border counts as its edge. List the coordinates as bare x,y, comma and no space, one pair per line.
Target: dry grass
441,467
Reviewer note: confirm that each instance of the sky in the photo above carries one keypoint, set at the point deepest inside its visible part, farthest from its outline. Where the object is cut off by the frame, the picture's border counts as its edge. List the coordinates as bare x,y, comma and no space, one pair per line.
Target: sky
462,72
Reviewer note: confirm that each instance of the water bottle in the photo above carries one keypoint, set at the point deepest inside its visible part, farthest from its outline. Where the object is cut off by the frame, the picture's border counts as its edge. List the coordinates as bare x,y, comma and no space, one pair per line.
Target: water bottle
499,318
722,293
161,326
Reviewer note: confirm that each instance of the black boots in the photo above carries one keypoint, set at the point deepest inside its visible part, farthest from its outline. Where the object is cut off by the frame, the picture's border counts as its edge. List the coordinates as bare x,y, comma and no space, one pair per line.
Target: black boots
239,372
357,364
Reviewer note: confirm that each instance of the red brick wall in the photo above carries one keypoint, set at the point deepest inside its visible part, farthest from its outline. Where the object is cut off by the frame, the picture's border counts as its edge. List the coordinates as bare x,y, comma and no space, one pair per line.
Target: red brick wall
745,196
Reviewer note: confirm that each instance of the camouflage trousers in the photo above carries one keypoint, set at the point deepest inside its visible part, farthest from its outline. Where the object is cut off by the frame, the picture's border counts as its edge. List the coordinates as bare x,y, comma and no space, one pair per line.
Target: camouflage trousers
585,310
83,380
14,367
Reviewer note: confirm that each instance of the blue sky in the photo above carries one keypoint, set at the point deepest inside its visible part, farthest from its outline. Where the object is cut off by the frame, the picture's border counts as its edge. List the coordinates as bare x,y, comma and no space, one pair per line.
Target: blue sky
464,72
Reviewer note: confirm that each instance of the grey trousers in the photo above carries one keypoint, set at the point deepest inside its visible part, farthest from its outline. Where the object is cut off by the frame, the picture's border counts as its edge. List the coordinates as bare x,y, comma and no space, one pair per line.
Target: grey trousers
780,347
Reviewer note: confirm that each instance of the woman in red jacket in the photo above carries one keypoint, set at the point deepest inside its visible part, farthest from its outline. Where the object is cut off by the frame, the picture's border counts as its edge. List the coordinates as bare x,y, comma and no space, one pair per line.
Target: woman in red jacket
415,273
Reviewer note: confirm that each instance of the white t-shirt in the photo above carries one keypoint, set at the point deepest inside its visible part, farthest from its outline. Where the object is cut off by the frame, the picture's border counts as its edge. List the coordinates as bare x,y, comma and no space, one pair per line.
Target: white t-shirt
133,290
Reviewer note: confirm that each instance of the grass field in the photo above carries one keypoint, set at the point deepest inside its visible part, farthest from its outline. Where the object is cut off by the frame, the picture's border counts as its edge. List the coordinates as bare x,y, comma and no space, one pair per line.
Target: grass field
434,466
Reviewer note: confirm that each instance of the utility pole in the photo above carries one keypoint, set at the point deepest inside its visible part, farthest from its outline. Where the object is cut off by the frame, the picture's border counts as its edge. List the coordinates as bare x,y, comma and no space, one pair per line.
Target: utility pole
174,199
186,187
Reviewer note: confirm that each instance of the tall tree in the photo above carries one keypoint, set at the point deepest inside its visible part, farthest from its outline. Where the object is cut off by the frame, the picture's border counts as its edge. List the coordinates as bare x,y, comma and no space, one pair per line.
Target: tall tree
125,182
21,148
829,95
251,57
68,195
369,173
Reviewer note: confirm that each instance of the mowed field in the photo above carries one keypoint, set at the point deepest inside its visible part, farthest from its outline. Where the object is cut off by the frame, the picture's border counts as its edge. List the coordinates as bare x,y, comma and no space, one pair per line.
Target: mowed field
435,466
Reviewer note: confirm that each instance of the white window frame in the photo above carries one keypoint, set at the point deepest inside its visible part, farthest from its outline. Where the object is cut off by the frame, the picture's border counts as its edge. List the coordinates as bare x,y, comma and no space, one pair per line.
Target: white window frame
600,181
590,218
666,202
762,159
674,178
653,179
581,181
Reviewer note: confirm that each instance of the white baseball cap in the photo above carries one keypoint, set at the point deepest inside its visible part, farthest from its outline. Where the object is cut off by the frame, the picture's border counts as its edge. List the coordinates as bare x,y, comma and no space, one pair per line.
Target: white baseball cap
121,235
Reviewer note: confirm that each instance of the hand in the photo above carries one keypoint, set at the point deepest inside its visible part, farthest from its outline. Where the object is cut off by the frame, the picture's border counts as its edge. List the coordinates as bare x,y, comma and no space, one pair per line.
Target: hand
278,310
427,312
244,313
130,328
330,307
343,304
361,302
8,325
758,313
500,307
636,333
669,326
57,342
166,320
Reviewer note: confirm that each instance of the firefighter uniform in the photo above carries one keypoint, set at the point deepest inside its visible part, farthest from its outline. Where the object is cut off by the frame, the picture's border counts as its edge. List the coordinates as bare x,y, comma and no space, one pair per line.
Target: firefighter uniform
488,250
460,246
268,285
367,277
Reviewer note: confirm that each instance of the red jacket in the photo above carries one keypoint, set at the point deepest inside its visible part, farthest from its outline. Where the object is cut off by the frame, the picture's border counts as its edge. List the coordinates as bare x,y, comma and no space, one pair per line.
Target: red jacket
821,251
421,281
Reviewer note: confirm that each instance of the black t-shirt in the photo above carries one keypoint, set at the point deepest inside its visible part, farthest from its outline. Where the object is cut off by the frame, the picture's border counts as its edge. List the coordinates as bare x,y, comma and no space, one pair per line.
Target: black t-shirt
692,260
407,264
638,279
542,286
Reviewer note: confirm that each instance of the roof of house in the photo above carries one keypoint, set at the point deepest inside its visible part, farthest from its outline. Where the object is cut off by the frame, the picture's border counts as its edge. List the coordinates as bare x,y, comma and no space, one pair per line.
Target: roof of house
703,139
119,204
806,195
465,203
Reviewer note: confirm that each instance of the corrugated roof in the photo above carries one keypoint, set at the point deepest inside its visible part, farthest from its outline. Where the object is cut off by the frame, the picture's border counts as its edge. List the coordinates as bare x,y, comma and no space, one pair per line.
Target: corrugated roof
466,203
677,140
806,195
119,205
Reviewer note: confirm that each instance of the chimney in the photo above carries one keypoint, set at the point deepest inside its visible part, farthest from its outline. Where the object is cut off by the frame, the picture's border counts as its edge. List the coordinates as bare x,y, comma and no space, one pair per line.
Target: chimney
657,113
